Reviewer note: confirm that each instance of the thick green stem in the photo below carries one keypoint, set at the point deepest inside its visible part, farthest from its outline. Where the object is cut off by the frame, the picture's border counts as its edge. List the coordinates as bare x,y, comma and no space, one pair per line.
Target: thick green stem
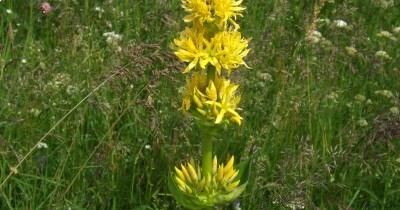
207,153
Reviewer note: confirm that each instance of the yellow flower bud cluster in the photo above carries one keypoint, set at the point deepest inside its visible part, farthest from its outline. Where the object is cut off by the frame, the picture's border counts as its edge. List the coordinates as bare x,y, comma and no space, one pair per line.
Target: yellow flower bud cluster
213,101
190,180
212,47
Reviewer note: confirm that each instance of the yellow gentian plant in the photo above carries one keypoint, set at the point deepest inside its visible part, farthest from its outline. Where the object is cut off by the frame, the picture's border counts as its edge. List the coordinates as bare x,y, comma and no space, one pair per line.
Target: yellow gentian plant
212,47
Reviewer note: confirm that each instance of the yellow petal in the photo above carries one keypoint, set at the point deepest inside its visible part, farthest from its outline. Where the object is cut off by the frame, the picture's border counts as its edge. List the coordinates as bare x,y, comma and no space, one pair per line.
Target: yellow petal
180,174
185,172
232,186
229,165
215,165
211,91
180,182
192,172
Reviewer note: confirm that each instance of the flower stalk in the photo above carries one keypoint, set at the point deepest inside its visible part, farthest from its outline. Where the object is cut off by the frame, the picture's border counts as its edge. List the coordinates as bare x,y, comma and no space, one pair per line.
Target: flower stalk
212,47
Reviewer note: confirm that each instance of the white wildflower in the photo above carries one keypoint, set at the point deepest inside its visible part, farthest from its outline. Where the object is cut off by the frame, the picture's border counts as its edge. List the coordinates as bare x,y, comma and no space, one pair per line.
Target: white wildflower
23,60
360,98
314,37
333,96
351,51
71,89
383,54
42,145
362,122
386,93
394,110
396,30
387,35
147,146
8,11
35,112
340,23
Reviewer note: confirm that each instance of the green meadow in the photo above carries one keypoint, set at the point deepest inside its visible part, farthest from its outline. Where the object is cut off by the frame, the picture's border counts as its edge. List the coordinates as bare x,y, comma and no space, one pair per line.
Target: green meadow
90,98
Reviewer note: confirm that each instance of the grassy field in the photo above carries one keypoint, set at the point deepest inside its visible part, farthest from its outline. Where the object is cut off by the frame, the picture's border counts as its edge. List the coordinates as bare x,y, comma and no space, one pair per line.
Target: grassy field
98,83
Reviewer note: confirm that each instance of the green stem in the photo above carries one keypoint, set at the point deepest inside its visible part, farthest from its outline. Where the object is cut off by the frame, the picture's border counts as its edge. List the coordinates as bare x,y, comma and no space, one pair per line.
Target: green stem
207,153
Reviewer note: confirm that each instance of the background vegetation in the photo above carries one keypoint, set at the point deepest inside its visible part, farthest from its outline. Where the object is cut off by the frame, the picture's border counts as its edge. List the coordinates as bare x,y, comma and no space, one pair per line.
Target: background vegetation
321,105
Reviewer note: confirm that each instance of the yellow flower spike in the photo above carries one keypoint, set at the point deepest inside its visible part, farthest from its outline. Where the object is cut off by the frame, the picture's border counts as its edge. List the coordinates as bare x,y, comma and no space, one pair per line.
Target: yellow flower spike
192,173
180,174
211,91
185,172
215,165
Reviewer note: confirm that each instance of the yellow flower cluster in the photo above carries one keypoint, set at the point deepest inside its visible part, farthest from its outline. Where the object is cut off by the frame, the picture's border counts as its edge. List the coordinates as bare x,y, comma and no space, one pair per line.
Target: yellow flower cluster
214,100
189,178
211,47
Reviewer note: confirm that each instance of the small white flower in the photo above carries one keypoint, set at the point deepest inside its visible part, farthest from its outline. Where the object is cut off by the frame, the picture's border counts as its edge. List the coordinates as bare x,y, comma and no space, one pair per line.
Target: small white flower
395,110
351,51
35,112
42,145
360,98
362,122
386,93
383,54
8,11
23,60
396,30
340,23
147,146
314,37
387,35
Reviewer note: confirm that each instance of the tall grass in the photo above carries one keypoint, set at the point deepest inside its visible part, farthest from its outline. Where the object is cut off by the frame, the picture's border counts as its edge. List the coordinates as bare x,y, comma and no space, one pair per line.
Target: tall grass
321,125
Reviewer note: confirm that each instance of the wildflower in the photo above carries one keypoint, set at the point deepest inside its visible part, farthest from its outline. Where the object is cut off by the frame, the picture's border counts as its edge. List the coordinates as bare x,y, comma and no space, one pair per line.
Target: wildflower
387,35
230,49
8,11
228,10
42,145
213,101
362,122
396,30
23,61
340,23
394,110
386,93
198,10
351,51
222,185
360,98
193,48
314,37
35,112
382,54
45,8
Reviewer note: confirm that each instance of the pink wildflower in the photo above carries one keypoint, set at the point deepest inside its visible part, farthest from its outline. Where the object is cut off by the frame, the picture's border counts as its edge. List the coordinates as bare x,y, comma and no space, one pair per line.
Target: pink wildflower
45,8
